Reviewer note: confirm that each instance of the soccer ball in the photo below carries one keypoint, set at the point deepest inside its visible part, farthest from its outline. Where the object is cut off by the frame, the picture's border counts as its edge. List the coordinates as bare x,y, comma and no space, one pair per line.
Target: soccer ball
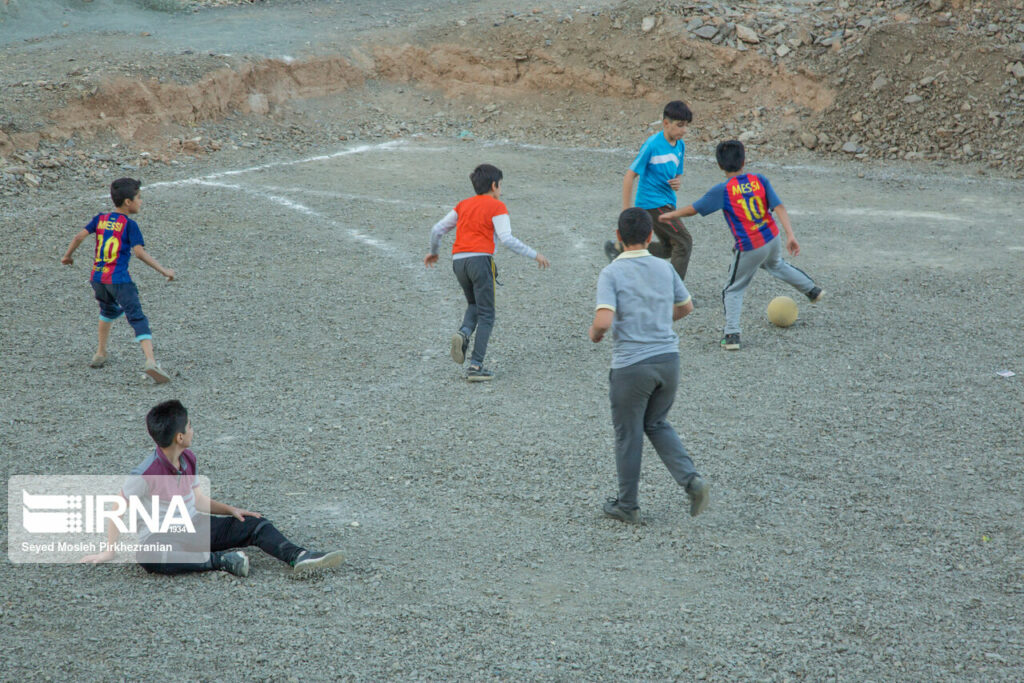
782,311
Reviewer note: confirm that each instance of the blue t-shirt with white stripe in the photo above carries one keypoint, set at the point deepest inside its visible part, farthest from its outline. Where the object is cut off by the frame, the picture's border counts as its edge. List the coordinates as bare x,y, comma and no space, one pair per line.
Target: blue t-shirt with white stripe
657,163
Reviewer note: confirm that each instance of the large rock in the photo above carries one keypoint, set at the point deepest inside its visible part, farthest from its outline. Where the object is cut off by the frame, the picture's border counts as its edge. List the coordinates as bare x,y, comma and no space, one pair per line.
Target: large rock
707,32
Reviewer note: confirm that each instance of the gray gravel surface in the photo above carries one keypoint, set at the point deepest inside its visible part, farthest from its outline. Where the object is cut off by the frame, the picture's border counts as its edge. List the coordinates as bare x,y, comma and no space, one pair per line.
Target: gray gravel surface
865,463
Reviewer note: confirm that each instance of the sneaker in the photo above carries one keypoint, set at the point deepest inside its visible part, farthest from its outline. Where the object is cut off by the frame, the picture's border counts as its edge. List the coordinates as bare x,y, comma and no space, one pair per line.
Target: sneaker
815,294
478,374
460,343
308,561
611,250
154,370
98,361
235,562
697,490
612,509
731,342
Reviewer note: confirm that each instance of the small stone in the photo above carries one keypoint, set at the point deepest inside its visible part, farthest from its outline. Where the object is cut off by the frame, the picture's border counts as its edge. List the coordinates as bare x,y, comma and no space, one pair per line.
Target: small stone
936,5
648,24
912,99
879,83
851,147
31,179
1017,69
857,117
775,30
782,50
747,34
809,140
706,32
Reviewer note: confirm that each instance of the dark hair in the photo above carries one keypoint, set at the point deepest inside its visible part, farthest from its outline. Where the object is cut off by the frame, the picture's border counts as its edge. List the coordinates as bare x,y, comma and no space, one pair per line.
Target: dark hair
634,226
730,155
123,189
165,421
484,176
676,110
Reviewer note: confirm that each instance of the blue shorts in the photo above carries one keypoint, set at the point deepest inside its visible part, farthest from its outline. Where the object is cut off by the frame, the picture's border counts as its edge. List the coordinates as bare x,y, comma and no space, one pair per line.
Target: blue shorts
122,298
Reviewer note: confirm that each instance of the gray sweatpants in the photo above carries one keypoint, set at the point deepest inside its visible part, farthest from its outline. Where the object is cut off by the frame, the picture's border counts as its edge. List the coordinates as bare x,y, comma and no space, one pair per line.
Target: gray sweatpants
744,265
641,397
476,275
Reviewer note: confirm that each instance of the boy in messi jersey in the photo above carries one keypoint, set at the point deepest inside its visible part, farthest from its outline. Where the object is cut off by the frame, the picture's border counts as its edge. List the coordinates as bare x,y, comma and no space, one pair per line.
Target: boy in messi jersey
479,222
748,200
117,238
657,173
171,471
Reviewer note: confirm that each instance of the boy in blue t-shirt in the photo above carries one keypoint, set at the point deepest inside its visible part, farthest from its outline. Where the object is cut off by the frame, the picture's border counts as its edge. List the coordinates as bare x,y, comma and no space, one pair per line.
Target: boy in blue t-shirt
748,200
117,238
638,298
657,173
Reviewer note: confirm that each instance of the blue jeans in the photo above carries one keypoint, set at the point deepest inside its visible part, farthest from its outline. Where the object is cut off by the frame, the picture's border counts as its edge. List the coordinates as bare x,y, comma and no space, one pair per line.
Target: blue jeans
122,298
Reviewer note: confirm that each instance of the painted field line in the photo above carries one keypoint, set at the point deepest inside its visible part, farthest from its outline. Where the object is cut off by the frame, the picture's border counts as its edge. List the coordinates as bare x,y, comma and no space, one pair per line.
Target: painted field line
881,213
354,197
390,145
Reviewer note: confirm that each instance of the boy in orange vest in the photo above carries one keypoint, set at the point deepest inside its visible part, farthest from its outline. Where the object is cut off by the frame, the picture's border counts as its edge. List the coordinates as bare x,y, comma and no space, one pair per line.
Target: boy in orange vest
479,223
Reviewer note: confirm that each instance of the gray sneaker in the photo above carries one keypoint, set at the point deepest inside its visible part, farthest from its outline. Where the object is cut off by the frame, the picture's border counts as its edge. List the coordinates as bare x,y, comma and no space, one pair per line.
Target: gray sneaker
234,562
97,361
478,374
816,294
460,343
697,490
308,561
158,374
613,510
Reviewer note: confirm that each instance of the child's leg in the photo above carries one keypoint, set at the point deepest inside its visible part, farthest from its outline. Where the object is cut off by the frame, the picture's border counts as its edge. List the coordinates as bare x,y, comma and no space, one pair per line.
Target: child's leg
785,271
481,270
629,390
109,312
104,336
128,299
664,439
228,532
674,241
466,282
741,272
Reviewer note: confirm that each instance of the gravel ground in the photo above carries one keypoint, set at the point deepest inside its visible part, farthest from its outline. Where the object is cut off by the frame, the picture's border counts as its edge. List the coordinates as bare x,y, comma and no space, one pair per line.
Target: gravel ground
865,463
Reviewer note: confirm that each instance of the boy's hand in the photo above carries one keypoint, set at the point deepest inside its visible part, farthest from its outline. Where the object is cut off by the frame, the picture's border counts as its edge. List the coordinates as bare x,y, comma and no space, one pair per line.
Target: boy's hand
429,260
98,558
596,335
169,274
667,217
542,261
792,246
676,183
240,514
67,260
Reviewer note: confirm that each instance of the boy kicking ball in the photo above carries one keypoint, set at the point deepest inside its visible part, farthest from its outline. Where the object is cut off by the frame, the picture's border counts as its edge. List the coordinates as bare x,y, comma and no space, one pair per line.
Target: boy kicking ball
748,200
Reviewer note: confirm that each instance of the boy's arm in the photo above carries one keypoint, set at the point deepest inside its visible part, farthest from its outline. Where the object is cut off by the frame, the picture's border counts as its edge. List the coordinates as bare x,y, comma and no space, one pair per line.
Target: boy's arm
503,229
140,253
791,244
676,183
75,242
628,181
440,229
684,212
682,310
206,504
603,318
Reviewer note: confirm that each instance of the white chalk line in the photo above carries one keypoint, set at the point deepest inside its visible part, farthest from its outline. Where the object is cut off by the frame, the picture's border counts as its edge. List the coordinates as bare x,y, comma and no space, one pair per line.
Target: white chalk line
881,213
354,197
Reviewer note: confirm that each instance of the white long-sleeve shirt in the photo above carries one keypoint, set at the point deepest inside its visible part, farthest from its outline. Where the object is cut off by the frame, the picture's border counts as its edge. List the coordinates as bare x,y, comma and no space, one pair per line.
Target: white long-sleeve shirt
502,233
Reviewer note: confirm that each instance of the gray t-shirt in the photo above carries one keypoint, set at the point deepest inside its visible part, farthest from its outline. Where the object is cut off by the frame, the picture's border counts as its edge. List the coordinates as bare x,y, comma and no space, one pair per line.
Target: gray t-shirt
642,290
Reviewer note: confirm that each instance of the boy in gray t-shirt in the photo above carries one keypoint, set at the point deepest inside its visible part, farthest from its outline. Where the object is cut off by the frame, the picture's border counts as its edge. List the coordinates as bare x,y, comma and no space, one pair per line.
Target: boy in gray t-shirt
638,298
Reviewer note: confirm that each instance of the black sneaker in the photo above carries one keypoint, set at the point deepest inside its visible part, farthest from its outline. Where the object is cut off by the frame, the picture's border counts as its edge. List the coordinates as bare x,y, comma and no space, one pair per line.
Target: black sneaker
731,342
234,562
460,343
815,294
308,561
611,250
612,509
697,490
478,374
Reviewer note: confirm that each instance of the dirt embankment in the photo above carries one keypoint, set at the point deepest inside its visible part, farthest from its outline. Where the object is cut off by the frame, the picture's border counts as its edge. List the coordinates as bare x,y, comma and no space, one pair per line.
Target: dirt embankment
907,80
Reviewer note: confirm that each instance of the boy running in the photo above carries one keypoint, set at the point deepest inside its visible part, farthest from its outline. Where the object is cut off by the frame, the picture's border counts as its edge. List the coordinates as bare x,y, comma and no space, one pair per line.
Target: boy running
748,200
656,173
638,298
117,238
479,222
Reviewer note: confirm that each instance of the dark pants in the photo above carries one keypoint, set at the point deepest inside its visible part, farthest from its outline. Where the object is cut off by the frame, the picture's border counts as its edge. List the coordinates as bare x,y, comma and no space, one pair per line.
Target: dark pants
674,241
215,534
476,275
122,298
641,396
